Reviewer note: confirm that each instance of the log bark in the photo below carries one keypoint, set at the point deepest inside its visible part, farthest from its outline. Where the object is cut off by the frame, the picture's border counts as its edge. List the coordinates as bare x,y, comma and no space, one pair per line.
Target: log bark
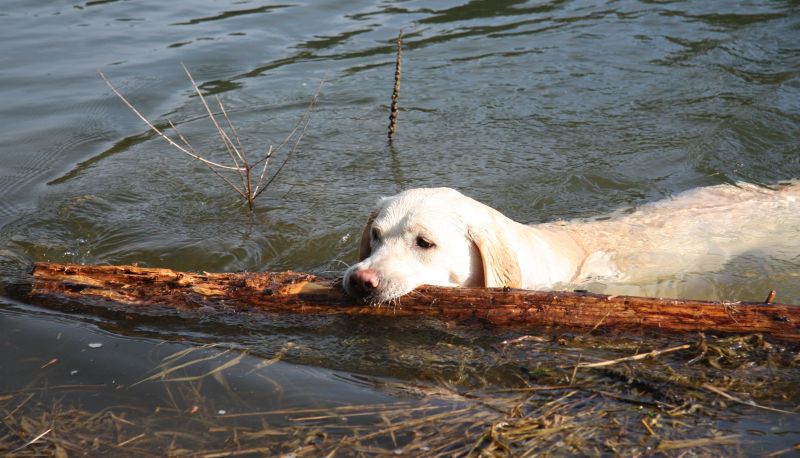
139,290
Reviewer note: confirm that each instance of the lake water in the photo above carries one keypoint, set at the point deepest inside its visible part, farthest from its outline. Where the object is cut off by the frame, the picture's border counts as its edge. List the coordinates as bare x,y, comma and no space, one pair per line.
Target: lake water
544,110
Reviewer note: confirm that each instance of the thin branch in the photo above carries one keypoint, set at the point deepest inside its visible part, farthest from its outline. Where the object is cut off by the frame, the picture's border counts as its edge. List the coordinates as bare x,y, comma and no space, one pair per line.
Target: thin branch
235,149
650,354
304,121
288,156
297,125
264,170
243,156
31,441
729,397
223,177
224,135
161,134
243,176
188,149
182,138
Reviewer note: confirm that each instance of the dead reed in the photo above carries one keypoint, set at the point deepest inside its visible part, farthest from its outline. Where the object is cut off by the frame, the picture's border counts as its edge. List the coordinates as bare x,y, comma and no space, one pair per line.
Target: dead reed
667,404
393,112
248,178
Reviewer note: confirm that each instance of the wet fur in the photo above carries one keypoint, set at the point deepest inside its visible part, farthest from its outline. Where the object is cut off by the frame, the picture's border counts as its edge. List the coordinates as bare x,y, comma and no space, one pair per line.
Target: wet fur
475,245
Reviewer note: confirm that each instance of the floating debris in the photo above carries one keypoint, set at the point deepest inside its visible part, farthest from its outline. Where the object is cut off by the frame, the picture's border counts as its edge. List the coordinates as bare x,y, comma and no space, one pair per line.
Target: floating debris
519,399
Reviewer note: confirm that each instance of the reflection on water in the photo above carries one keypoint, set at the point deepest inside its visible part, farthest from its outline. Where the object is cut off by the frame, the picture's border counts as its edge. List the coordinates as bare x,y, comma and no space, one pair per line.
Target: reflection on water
544,110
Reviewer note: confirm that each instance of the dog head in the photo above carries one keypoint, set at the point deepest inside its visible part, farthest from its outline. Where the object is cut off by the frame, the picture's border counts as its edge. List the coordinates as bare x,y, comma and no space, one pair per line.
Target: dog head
431,236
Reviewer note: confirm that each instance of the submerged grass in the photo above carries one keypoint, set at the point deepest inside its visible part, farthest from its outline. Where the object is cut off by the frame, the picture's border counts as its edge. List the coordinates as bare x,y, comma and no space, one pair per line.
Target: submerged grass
673,403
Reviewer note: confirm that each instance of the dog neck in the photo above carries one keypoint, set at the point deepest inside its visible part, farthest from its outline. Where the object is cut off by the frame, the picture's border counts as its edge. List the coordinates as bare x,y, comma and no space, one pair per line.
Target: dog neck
550,256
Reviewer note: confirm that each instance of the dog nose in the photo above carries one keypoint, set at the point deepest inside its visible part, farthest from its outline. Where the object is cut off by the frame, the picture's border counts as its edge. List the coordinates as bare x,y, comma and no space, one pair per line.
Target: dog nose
364,281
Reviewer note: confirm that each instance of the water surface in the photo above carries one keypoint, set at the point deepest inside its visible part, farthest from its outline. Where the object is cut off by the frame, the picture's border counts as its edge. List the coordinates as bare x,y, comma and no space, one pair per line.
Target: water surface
544,110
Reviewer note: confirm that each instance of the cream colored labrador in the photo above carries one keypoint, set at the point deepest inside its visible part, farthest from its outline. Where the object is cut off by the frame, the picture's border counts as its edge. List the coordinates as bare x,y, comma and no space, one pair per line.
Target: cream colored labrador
438,236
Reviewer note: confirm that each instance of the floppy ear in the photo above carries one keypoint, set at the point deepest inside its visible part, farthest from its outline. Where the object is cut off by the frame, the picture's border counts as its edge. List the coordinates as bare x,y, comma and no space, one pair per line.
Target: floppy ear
500,265
364,248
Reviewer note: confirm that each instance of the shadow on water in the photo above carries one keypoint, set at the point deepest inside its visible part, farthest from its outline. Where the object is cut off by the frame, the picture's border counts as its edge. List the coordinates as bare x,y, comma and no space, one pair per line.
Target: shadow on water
482,9
234,13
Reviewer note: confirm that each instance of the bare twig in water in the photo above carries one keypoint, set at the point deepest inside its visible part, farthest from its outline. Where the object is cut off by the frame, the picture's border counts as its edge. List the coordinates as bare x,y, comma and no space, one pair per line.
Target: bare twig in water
32,441
248,187
396,89
729,397
650,354
525,338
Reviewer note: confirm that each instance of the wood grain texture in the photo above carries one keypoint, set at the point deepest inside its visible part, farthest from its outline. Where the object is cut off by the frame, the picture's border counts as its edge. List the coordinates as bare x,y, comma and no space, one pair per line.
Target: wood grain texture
139,290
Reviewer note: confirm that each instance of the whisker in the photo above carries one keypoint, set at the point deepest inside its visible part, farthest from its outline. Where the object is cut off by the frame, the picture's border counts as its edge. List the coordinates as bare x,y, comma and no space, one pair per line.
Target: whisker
346,265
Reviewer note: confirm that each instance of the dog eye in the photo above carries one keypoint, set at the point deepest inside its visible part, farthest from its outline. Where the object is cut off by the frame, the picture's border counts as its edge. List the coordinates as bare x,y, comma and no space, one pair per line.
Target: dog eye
376,234
425,244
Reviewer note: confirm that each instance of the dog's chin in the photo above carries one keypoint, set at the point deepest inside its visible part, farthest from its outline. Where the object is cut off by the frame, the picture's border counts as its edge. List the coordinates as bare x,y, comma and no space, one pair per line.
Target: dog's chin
381,298
388,295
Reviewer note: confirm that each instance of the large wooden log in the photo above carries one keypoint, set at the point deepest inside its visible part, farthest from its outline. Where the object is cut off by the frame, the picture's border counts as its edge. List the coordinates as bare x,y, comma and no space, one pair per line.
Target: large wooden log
144,290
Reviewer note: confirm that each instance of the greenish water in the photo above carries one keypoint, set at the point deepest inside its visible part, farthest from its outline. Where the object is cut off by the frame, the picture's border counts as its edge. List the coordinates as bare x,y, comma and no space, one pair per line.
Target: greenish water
544,110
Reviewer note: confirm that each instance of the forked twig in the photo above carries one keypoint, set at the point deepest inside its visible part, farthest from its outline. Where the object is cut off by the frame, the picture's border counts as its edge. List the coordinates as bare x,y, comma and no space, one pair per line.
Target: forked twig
224,135
304,121
223,177
162,134
232,143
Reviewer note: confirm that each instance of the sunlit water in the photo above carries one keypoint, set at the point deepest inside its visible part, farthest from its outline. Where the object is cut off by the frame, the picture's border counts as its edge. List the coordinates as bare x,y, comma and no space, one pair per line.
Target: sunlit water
544,110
